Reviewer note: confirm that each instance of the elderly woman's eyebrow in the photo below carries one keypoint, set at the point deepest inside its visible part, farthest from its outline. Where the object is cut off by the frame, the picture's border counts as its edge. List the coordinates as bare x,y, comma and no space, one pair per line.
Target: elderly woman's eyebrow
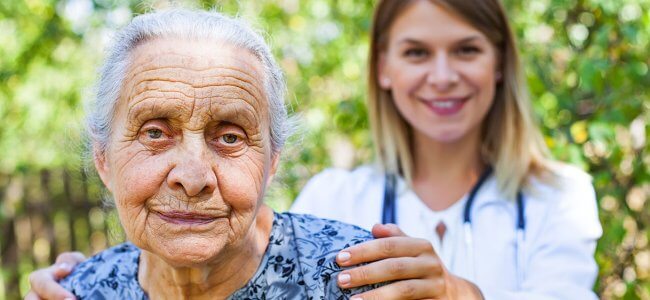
237,112
222,106
157,104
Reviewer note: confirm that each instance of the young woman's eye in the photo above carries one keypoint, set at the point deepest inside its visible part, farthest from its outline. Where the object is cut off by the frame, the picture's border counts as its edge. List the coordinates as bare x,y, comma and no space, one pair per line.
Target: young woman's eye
415,52
229,138
468,50
154,133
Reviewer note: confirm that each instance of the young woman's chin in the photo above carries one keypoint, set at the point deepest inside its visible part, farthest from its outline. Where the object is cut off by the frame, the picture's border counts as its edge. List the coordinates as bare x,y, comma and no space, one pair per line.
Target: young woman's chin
444,134
446,137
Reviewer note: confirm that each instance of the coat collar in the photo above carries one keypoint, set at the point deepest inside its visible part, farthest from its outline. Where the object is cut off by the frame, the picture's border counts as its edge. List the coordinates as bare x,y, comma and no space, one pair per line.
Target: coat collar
489,192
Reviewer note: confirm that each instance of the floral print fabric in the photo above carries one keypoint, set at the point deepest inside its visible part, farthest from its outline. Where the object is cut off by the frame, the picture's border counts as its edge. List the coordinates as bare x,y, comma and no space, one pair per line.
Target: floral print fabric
299,263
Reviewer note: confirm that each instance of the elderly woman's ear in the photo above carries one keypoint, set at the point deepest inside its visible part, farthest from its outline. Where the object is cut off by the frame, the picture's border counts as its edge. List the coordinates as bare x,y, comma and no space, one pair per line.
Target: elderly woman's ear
275,161
99,158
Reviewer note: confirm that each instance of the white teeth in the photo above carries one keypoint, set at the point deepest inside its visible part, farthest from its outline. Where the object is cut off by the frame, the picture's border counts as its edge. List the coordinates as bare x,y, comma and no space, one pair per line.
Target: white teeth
443,104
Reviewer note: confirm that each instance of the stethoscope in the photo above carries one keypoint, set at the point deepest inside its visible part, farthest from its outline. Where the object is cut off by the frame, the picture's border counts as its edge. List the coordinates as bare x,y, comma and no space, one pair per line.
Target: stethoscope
389,216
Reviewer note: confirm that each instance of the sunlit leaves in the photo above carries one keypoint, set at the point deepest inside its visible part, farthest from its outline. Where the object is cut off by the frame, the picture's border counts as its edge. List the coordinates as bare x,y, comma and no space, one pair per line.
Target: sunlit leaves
586,63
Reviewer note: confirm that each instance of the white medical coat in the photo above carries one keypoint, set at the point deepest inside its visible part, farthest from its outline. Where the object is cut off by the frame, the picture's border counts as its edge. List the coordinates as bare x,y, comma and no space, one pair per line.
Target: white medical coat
562,228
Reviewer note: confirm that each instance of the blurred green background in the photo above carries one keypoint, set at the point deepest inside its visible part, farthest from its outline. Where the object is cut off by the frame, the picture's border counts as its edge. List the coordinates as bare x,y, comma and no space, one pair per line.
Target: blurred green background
586,62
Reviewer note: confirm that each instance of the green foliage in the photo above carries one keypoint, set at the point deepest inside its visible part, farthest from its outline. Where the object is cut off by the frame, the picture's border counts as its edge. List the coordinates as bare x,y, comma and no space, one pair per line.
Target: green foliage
586,64
588,70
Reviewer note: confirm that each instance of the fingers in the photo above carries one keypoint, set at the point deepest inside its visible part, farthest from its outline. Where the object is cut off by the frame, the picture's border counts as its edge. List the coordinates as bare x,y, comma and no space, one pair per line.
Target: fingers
386,230
411,264
71,258
32,296
406,289
44,285
391,269
61,270
384,248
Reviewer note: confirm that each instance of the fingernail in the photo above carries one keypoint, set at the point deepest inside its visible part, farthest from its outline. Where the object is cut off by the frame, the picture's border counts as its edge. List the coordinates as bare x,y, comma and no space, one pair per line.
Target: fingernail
356,298
343,256
63,266
344,278
68,299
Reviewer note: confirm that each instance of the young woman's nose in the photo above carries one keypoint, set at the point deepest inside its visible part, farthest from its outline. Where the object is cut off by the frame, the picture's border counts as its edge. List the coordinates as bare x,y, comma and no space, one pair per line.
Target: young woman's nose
441,73
192,172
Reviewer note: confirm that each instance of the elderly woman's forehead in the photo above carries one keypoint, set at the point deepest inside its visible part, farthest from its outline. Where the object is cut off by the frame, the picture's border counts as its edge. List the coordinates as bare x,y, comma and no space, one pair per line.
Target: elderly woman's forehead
190,71
194,54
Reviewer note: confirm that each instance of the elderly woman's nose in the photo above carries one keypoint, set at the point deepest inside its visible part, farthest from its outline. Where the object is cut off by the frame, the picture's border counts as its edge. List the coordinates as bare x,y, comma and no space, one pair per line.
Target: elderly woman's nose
194,175
441,72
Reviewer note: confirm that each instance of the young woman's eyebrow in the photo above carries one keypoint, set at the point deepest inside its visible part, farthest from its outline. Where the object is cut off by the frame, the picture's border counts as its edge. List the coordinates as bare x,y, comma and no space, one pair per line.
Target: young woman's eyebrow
469,39
417,42
411,41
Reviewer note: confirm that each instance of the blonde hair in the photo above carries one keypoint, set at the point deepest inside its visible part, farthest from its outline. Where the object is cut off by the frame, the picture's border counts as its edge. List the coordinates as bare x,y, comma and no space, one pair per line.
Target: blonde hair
511,142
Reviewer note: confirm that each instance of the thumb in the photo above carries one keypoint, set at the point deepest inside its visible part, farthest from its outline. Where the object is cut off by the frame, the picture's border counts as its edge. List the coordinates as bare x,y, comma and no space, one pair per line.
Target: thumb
386,230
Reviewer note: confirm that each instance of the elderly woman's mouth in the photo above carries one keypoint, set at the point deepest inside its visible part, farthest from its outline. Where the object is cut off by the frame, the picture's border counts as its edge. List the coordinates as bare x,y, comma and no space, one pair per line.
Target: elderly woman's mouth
186,218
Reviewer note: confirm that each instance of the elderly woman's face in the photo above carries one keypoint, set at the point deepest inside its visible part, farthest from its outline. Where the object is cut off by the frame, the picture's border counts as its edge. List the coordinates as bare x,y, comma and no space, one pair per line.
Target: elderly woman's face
189,156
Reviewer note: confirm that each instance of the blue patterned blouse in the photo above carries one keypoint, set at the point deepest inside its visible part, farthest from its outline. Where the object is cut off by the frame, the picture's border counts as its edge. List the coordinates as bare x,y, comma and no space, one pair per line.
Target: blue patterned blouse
298,264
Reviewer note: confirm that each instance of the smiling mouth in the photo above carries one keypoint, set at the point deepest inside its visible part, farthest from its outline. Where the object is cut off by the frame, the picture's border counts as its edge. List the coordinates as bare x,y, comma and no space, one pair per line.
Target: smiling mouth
446,106
186,218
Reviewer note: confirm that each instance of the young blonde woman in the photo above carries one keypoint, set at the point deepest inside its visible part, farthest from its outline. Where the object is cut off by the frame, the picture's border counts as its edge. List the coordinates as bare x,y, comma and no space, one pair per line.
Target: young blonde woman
481,210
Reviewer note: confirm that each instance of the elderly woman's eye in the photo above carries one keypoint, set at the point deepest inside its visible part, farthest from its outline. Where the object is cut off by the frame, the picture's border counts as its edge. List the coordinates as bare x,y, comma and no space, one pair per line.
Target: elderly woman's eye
154,133
229,138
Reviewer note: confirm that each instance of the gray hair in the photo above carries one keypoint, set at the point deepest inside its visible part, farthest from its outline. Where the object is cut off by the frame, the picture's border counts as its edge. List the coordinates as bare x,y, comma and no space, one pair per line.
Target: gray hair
188,24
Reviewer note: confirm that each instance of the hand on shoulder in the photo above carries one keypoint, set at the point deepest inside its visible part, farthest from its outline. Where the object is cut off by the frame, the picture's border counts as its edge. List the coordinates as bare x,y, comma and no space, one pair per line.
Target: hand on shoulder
44,282
410,267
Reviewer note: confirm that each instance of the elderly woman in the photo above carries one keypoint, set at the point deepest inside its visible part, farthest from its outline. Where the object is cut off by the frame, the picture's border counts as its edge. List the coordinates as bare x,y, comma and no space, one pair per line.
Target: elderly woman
186,133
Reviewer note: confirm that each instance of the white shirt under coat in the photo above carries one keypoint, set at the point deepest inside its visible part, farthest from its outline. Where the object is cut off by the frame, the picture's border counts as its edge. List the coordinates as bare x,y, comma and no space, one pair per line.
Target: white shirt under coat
562,228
